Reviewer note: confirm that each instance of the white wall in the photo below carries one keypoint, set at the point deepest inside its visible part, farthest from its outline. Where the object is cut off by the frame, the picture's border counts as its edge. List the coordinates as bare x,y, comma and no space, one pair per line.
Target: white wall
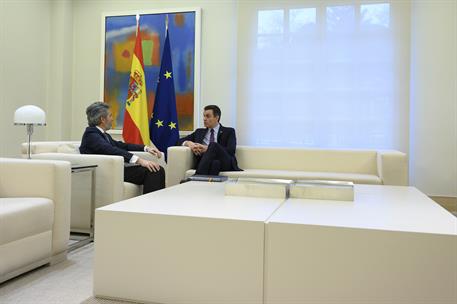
61,66
218,53
24,61
433,149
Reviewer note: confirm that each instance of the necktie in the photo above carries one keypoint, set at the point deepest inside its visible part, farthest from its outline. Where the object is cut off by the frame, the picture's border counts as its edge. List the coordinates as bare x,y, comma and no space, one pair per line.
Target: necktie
211,136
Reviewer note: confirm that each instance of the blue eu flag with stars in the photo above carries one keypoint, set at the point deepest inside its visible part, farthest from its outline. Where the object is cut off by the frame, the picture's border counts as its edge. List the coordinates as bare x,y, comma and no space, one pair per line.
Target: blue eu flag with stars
163,125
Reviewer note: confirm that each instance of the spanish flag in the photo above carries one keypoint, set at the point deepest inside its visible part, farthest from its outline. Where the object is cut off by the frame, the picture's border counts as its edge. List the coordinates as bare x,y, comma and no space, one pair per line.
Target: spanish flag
136,120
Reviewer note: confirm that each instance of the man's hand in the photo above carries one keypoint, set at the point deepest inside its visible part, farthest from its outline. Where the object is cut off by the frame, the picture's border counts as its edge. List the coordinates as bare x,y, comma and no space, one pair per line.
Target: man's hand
193,146
202,148
150,165
197,149
154,151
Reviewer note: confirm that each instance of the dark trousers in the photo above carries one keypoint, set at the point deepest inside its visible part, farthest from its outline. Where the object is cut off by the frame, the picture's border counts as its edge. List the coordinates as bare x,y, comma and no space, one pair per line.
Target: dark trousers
151,181
214,160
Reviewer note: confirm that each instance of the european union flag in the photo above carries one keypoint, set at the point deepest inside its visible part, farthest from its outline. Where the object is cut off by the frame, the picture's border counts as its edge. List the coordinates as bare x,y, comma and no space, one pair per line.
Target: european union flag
164,121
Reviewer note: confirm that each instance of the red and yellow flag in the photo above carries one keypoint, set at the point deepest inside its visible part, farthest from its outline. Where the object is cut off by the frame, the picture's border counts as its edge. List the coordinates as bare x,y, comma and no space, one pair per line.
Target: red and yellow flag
136,120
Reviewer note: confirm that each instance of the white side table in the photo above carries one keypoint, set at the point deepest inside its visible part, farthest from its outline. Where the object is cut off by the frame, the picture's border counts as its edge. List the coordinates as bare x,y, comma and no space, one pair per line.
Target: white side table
75,168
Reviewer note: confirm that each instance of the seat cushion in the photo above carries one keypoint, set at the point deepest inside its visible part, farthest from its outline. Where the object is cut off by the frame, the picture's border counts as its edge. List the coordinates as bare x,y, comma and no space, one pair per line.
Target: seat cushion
297,175
24,217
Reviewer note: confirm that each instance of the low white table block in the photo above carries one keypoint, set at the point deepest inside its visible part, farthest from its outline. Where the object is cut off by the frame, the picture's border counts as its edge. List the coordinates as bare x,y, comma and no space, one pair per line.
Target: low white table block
323,190
252,187
184,244
391,245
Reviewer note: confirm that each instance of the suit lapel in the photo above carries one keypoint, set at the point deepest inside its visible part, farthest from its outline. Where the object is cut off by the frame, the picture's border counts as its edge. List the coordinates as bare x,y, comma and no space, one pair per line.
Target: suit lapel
201,136
219,134
105,136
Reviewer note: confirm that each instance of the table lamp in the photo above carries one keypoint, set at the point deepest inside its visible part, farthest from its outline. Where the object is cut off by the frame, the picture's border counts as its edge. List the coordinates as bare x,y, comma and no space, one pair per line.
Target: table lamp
29,116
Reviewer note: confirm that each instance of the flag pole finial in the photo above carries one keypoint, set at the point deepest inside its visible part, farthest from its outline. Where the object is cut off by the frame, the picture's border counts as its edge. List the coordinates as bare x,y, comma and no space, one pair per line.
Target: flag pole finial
137,23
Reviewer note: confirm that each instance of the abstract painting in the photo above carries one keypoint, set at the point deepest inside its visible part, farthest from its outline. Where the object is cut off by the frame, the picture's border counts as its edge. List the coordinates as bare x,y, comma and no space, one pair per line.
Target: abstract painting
120,33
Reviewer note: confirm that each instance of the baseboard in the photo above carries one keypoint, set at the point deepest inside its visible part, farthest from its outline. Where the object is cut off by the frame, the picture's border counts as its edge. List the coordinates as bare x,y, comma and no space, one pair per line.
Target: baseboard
447,202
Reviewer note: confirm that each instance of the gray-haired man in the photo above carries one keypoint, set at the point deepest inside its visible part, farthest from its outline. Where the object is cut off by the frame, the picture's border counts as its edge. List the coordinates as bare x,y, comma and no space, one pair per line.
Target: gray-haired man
95,140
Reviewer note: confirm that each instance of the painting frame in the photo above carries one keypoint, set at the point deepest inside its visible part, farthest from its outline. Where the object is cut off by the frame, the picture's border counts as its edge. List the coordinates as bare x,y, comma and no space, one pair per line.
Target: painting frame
196,62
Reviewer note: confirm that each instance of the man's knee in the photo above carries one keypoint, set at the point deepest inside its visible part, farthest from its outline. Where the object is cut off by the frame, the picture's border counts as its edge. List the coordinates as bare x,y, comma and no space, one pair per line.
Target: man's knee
162,171
212,147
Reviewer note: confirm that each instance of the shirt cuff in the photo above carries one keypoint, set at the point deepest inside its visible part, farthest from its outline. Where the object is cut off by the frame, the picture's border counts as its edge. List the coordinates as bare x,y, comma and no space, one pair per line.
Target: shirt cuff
184,143
145,148
133,159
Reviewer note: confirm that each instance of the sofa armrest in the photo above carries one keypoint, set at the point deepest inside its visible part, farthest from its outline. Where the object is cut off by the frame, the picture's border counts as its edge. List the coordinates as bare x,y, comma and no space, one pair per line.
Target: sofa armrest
180,159
109,174
41,178
393,168
149,156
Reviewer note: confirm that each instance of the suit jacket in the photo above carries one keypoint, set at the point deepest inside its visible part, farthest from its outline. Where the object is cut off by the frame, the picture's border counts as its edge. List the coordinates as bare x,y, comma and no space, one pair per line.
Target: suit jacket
226,137
95,142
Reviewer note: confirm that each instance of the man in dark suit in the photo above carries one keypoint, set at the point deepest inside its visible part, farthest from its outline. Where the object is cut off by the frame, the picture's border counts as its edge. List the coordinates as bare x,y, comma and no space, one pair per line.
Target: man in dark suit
213,146
96,141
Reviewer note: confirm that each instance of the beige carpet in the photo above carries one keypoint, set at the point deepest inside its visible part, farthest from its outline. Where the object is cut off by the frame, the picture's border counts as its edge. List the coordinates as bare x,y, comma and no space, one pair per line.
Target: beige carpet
68,282
94,300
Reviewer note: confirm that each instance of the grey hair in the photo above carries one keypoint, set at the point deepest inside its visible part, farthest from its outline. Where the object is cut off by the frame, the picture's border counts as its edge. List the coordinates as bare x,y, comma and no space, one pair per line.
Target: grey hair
95,112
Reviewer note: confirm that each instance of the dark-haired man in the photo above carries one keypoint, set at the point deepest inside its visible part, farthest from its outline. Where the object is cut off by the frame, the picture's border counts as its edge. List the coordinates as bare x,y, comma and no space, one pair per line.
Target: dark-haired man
213,146
95,140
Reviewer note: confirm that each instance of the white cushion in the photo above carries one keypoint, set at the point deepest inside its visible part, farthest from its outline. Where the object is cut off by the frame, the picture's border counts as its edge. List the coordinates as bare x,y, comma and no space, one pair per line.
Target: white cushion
68,148
303,159
45,146
24,217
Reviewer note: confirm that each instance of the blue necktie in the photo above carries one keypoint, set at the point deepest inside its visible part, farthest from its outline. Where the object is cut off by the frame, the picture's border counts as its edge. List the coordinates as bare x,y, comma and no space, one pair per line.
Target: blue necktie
211,136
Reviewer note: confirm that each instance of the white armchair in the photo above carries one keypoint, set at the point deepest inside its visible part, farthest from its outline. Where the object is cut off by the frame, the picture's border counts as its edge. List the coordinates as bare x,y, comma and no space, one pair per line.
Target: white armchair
109,178
34,214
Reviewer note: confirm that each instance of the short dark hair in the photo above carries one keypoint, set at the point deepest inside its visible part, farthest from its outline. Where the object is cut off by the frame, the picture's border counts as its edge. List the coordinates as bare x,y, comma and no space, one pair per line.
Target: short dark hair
215,109
95,112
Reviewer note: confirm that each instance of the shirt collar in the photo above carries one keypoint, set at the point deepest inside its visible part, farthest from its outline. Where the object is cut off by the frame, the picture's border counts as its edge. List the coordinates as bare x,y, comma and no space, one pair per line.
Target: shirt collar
100,129
216,128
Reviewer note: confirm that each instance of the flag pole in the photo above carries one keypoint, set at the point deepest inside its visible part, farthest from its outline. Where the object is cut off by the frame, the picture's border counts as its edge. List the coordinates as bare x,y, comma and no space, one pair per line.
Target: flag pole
166,24
137,23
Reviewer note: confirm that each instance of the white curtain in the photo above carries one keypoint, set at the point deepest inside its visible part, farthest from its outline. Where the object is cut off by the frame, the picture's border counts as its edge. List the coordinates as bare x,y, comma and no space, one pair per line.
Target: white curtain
323,74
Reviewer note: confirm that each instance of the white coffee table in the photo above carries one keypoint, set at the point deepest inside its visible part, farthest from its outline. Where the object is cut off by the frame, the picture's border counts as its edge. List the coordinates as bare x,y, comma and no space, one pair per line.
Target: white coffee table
391,245
184,244
191,244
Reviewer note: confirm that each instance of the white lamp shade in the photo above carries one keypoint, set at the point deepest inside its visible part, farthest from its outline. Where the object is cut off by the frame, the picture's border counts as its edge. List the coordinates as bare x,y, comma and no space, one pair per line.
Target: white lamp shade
29,115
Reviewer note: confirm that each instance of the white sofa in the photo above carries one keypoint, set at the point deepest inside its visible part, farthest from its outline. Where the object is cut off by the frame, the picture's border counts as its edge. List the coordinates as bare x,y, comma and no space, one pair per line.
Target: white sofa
109,178
358,166
34,214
